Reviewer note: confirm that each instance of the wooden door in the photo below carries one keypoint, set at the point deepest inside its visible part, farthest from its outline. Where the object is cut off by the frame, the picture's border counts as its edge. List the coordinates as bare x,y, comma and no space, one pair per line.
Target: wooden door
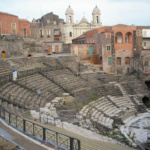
84,50
56,49
3,55
76,50
49,50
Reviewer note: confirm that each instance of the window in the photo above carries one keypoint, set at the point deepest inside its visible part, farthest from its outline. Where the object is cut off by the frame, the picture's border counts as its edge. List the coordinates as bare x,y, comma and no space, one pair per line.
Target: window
126,40
54,22
128,37
70,34
25,32
144,44
56,32
118,37
127,60
41,33
96,19
108,47
13,27
146,64
109,61
108,35
101,60
144,34
0,28
48,21
70,19
48,33
137,33
118,60
90,40
87,40
135,65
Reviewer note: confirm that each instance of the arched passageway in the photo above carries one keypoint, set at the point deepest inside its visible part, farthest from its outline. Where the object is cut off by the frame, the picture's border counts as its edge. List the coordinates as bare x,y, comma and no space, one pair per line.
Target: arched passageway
146,101
147,84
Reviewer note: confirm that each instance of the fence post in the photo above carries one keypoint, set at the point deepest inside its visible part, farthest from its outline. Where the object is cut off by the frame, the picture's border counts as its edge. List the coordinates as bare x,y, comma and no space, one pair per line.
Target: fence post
44,134
16,121
33,129
79,145
24,125
9,118
71,143
4,114
57,138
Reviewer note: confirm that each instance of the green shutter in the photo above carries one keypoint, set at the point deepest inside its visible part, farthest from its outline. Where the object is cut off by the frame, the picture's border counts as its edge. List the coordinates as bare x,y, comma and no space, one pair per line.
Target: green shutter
109,60
91,50
146,64
135,65
108,48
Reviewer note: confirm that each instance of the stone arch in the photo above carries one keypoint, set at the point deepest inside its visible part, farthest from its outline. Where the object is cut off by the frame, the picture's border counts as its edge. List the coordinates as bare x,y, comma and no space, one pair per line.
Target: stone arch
128,37
118,37
146,100
29,54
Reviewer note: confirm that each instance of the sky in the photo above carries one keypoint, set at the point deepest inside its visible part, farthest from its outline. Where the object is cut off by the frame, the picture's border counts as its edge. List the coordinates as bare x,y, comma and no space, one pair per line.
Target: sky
130,12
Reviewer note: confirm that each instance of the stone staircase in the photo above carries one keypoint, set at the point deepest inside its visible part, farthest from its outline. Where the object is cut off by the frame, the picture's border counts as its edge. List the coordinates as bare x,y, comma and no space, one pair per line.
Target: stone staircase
5,68
22,96
101,111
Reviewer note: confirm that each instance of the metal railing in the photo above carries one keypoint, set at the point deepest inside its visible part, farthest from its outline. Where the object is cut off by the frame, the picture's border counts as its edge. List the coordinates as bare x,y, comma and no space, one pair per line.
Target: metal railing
49,137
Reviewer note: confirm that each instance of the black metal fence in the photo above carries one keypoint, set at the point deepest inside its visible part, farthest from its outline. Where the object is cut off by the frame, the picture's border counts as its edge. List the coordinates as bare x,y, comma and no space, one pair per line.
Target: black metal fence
49,137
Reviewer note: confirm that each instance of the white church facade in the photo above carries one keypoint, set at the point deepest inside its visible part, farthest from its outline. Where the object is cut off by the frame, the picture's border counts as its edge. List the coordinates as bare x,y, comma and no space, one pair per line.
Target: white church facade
72,30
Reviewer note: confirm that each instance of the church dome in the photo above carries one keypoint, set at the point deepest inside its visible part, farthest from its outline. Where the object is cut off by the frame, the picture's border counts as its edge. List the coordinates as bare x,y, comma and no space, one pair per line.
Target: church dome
69,10
96,11
84,20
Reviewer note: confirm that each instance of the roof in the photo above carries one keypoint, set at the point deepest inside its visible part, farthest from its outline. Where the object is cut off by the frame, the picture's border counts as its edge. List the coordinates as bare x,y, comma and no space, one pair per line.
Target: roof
23,20
96,11
143,27
84,20
69,10
80,37
7,14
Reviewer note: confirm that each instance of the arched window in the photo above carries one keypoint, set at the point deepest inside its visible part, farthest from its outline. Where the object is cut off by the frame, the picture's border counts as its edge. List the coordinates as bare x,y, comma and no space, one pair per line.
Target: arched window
128,37
118,37
70,19
96,19
70,34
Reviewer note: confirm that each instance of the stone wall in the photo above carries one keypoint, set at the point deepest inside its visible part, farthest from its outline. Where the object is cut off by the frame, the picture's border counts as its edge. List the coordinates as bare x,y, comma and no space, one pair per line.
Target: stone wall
66,47
15,46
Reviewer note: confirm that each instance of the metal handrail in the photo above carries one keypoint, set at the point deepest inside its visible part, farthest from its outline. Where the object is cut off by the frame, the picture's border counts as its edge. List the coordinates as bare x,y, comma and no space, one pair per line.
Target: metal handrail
29,130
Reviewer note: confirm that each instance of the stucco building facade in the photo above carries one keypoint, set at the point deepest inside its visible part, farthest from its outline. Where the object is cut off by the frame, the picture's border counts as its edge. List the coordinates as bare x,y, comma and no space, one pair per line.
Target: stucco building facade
11,24
114,47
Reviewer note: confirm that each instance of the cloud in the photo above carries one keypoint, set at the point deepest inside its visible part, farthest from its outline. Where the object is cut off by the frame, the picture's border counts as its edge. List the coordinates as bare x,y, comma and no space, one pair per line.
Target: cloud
113,11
